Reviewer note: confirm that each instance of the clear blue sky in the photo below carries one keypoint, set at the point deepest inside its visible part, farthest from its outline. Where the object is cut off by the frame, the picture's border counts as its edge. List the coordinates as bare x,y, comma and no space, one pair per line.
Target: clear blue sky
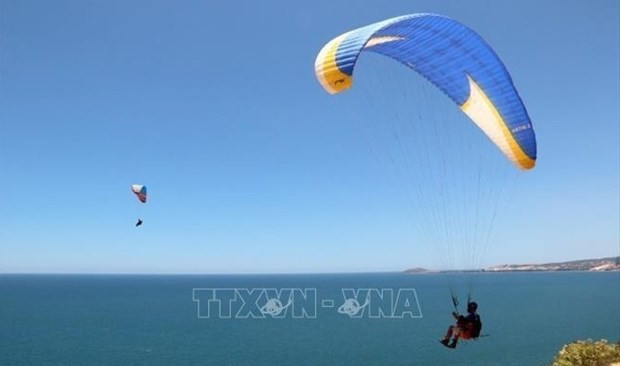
215,107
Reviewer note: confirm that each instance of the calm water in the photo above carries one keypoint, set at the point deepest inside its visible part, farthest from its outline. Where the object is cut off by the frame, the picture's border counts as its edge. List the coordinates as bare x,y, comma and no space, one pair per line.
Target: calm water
152,320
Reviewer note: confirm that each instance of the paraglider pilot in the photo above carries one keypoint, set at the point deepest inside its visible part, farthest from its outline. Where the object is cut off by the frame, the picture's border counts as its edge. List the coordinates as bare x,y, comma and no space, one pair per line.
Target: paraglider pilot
467,327
138,223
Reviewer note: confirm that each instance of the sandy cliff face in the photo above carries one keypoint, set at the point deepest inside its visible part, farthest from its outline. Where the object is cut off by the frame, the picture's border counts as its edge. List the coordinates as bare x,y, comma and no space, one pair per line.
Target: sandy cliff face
597,265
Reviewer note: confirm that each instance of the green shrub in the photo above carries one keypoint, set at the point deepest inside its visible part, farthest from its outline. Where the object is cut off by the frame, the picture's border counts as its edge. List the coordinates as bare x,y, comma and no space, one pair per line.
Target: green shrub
589,353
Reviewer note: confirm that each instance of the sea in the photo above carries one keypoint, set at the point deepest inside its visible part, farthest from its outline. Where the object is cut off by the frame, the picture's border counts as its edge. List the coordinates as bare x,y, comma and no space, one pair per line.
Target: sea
309,319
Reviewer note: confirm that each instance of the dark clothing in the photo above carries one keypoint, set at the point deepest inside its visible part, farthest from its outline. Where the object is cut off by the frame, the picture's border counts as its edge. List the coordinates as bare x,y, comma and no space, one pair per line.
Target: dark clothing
470,325
472,317
467,327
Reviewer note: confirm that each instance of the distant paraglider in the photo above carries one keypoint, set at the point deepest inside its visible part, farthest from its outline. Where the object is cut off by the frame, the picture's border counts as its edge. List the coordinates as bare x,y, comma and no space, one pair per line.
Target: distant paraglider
140,192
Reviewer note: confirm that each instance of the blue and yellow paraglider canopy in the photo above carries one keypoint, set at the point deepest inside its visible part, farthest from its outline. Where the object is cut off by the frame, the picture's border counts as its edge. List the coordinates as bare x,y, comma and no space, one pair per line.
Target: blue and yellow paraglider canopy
452,57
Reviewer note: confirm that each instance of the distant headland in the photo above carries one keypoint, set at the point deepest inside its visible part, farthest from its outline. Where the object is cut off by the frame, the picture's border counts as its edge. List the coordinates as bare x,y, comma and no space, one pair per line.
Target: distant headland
590,265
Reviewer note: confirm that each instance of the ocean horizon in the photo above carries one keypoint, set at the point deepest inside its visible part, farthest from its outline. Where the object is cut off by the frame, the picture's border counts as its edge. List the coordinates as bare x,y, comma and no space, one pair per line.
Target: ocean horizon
361,318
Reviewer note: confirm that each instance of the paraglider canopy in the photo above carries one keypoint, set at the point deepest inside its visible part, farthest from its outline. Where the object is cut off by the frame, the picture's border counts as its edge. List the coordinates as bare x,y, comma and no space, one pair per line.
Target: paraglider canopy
453,181
452,57
140,192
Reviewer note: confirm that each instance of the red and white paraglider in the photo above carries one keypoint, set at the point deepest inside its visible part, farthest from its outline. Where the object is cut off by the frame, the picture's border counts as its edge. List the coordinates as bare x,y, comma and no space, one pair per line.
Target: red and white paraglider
140,192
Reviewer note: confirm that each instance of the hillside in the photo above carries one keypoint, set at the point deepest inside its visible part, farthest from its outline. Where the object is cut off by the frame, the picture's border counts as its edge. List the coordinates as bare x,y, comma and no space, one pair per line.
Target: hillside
594,265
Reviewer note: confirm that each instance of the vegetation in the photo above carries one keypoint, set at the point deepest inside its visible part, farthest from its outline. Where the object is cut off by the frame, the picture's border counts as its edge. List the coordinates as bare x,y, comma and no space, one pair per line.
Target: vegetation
589,353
